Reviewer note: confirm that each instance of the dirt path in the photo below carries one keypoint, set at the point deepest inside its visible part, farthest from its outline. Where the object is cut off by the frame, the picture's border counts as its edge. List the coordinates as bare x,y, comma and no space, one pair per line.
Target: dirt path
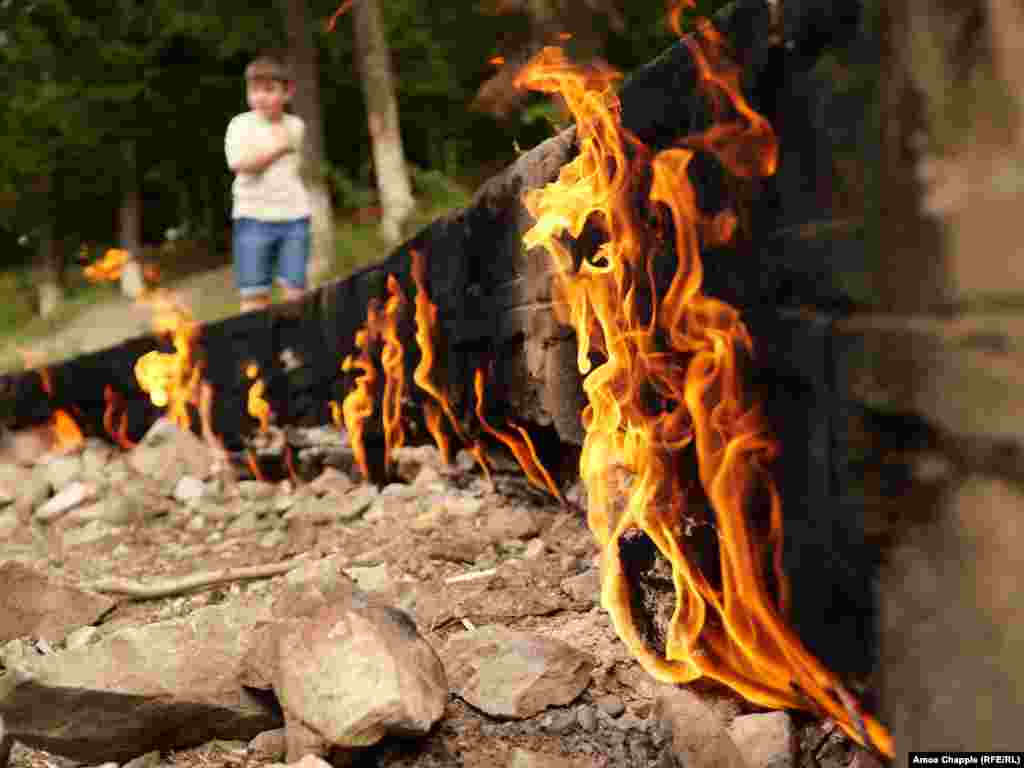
210,294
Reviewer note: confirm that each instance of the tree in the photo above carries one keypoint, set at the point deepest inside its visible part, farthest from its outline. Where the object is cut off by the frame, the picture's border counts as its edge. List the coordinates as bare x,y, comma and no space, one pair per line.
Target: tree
307,104
373,59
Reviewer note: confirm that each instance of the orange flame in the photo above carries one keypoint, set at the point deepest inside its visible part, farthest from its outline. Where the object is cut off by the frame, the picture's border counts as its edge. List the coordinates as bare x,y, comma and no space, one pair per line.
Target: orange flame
521,446
107,268
668,388
171,379
257,406
426,330
392,362
358,404
496,60
118,434
337,15
66,433
254,466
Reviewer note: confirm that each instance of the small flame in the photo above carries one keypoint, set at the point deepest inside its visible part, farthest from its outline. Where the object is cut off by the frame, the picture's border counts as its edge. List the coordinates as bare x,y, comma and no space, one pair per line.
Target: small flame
254,466
358,404
258,407
66,433
107,268
521,445
667,392
563,36
115,402
171,379
337,14
426,330
497,61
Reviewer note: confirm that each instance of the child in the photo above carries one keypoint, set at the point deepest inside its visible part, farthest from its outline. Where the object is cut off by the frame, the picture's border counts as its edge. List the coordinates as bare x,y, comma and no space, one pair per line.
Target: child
271,207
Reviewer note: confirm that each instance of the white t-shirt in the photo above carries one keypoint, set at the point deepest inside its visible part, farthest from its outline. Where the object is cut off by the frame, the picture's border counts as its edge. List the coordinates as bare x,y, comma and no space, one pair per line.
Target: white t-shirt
277,193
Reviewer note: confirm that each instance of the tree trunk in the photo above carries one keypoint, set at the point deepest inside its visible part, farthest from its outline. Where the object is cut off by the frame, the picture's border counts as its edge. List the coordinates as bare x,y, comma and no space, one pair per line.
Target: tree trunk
373,58
130,224
49,266
307,105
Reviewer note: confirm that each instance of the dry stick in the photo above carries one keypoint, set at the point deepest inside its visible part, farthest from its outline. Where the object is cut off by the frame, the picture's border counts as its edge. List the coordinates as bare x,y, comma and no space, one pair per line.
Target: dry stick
169,587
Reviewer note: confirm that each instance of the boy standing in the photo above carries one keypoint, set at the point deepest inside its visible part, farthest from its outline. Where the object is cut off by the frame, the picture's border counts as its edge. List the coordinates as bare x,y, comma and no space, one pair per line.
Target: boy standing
271,207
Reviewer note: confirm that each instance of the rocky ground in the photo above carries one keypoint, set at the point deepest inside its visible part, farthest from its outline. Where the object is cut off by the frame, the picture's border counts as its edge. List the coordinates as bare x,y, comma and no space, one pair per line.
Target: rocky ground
157,608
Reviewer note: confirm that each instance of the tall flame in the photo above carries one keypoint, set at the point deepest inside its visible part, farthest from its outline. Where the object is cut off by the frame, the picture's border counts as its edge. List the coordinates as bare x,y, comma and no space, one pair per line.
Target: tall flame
171,379
392,363
520,445
358,404
426,331
668,388
119,433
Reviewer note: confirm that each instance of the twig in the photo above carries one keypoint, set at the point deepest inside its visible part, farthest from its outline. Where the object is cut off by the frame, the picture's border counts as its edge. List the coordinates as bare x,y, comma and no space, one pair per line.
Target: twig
169,587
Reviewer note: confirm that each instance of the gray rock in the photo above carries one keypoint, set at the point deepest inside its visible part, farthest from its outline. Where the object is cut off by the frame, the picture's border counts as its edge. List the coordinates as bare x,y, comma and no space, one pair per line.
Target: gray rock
167,685
697,736
71,496
511,523
332,481
268,746
766,740
587,718
189,489
6,744
354,503
119,509
96,455
166,453
9,523
88,533
561,722
611,705
81,637
31,604
36,489
513,674
371,578
256,490
61,471
410,460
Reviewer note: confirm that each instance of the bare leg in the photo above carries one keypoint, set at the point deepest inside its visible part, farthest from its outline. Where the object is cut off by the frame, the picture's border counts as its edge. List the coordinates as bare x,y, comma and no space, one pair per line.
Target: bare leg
255,301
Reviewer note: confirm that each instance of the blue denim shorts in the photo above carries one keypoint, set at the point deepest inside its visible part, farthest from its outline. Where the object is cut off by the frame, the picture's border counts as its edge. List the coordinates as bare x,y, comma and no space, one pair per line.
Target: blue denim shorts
264,250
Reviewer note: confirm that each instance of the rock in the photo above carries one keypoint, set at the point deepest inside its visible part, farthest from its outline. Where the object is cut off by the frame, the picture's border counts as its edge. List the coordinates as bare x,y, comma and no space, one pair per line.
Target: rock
534,548
36,489
148,760
584,588
371,578
312,761
410,460
81,637
355,672
273,538
766,740
61,471
836,751
522,758
314,510
268,746
611,705
25,447
72,496
697,735
587,718
31,604
514,674
166,453
511,523
166,685
560,722
119,509
12,478
860,760
96,455
87,534
256,490
354,503
189,489
332,481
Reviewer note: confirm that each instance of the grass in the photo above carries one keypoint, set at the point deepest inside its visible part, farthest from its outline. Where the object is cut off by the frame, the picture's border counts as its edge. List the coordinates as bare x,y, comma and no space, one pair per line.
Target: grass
358,244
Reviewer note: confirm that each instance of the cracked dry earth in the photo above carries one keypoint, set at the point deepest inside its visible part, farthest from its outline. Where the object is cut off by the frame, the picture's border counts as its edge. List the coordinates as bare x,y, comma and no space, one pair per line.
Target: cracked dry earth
441,620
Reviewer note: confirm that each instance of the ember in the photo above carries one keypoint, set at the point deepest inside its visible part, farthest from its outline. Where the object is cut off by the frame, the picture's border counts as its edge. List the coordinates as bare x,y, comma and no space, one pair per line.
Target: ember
668,392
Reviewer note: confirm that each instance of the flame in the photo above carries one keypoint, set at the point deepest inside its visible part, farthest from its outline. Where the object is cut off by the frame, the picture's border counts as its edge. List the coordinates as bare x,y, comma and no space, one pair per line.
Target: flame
521,446
254,466
258,407
66,433
392,363
496,60
668,391
426,330
171,379
107,268
358,404
337,14
119,435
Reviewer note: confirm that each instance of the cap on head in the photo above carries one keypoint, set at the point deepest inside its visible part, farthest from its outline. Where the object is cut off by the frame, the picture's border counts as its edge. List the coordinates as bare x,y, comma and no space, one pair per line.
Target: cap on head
268,67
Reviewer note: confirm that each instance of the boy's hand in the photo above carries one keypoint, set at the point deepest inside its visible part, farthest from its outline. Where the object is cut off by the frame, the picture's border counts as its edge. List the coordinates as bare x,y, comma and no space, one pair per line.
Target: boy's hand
281,136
